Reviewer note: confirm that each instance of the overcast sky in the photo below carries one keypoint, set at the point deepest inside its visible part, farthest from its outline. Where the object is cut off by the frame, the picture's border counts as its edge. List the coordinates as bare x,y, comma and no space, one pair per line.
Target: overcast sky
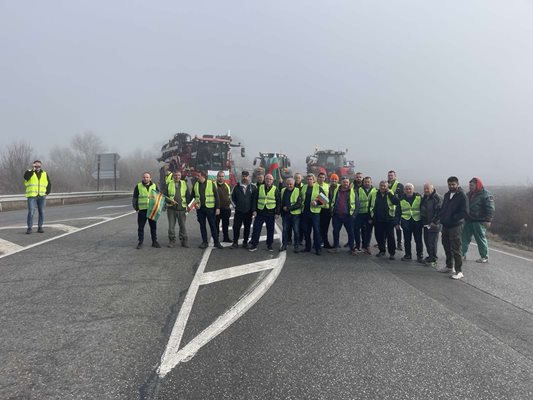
429,88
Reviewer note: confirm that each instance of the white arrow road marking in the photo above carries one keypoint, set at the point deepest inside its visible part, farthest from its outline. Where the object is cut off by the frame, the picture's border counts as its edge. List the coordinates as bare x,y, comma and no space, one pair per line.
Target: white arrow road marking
8,247
73,230
173,355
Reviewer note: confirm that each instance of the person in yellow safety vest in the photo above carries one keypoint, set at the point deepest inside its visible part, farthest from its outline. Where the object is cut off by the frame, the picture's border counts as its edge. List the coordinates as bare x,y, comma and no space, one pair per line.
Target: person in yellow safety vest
397,189
38,186
178,191
382,216
298,185
325,212
224,194
291,209
362,228
409,218
266,209
141,195
343,209
356,185
207,204
311,213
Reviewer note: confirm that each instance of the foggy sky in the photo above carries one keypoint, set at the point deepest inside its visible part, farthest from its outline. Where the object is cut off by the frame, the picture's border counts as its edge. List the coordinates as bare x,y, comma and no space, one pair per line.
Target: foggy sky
429,88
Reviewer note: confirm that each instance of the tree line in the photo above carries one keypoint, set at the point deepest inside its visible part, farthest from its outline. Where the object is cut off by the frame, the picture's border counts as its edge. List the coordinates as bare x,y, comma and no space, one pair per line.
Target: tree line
71,165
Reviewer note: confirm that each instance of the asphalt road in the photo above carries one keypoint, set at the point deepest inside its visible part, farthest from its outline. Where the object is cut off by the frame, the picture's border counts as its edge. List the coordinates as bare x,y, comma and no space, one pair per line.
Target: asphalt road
85,315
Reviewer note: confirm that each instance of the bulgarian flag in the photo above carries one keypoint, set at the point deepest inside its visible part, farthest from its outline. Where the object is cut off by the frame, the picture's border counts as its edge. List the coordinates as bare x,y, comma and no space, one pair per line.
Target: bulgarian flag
155,205
274,168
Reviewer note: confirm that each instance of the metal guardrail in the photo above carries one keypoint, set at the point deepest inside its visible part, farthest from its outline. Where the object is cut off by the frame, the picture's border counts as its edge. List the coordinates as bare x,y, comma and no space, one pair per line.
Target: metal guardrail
11,198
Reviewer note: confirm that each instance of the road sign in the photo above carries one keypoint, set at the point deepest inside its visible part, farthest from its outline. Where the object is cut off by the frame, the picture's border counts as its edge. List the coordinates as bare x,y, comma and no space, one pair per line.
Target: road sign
106,168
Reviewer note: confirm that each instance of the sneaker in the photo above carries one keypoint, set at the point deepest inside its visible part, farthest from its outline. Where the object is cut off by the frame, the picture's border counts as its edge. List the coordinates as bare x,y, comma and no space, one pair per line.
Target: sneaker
406,258
354,252
219,245
235,245
392,258
139,245
252,248
346,245
420,260
283,247
171,244
184,244
482,260
28,231
380,254
245,245
203,245
296,249
40,230
368,251
328,246
444,269
458,275
333,250
430,264
156,244
318,252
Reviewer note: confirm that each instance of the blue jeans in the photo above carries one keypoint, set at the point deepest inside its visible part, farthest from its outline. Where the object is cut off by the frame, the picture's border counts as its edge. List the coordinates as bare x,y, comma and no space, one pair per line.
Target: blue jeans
269,220
291,223
338,222
311,221
38,201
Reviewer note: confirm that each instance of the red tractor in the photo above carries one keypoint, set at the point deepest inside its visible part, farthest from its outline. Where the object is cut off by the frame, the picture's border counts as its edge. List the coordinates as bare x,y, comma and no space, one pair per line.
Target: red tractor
193,154
329,162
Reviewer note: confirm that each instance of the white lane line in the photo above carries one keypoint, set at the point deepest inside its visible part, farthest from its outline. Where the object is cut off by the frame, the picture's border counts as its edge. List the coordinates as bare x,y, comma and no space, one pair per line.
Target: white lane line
173,355
234,272
103,207
181,321
8,247
65,234
507,254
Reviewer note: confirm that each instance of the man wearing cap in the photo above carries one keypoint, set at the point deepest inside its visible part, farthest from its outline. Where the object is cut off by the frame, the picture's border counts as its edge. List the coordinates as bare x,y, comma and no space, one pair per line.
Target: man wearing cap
38,186
243,197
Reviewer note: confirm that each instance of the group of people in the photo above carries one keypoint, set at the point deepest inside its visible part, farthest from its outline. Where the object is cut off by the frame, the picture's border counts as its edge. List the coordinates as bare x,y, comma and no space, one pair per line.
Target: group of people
308,209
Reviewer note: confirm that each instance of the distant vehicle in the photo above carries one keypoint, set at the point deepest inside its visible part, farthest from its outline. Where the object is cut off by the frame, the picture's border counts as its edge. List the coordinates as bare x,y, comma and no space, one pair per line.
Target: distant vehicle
329,162
277,164
189,155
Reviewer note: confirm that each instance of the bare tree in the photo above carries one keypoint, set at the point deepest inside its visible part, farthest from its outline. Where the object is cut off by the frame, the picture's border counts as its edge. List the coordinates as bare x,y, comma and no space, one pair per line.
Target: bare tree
134,164
15,158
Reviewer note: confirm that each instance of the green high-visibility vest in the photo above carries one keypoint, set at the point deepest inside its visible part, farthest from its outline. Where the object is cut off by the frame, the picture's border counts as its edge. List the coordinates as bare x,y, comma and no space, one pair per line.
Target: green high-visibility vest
267,200
392,207
144,195
394,187
209,195
364,199
294,199
169,178
36,186
183,192
411,210
352,200
314,195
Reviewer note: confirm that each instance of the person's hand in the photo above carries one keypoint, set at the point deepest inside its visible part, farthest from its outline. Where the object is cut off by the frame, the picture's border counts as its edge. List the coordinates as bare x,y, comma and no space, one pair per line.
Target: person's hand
313,203
217,211
254,214
197,206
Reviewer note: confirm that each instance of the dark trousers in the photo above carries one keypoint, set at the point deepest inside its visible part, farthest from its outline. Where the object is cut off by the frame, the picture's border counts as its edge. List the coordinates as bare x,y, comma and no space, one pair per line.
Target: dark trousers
325,219
338,222
366,230
451,241
225,214
412,228
291,223
311,221
361,229
384,232
269,221
141,222
207,214
239,219
431,240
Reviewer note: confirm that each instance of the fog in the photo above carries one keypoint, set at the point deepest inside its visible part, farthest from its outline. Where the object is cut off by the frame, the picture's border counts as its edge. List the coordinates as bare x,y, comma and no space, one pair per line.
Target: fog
427,88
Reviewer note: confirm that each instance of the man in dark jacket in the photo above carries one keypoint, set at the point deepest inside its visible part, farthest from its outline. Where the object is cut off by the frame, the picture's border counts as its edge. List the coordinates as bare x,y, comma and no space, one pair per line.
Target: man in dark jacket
409,219
397,189
267,209
429,211
480,213
382,216
343,210
291,209
452,216
140,199
224,192
243,197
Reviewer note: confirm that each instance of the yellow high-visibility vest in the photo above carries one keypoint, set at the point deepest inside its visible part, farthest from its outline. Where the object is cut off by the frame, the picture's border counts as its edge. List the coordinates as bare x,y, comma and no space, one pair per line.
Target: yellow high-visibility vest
144,195
294,199
411,210
36,186
267,200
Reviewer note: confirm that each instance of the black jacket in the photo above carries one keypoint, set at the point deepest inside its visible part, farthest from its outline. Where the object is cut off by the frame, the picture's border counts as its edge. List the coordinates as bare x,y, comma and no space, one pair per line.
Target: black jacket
453,211
244,201
381,208
430,209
